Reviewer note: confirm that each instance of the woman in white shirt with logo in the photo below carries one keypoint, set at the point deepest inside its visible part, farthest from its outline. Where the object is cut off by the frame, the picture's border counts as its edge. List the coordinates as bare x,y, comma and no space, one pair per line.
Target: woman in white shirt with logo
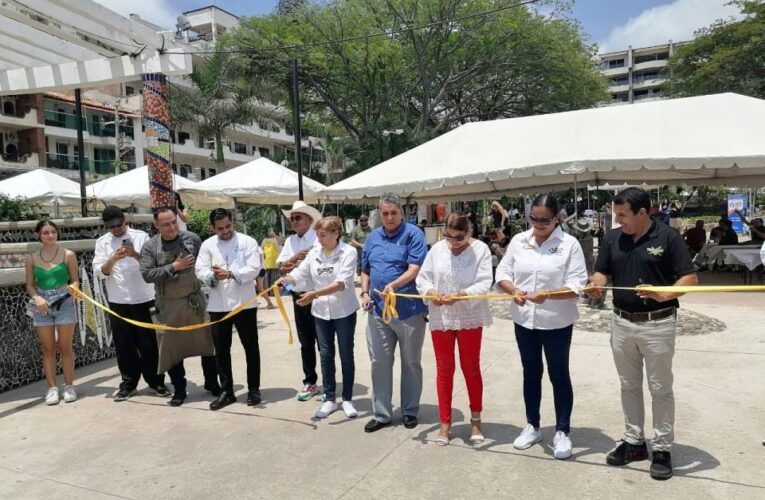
457,266
327,273
539,261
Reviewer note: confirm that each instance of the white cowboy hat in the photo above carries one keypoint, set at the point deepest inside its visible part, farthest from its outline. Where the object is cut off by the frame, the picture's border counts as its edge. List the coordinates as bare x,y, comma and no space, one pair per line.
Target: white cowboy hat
584,225
300,207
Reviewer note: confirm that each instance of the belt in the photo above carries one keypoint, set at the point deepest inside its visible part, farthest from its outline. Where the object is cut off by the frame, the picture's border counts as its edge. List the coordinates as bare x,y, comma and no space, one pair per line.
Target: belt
642,317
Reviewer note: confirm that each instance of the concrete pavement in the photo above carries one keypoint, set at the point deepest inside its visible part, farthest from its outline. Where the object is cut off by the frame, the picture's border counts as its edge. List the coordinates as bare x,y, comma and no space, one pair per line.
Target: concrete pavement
95,448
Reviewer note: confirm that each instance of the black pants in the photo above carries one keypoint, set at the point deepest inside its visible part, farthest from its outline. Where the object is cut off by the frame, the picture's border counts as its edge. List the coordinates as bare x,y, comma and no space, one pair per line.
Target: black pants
306,330
177,374
246,323
556,345
136,347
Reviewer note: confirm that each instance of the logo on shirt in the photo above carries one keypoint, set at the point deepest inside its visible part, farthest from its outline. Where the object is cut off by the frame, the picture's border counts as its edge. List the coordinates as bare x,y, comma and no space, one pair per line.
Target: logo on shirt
656,251
556,251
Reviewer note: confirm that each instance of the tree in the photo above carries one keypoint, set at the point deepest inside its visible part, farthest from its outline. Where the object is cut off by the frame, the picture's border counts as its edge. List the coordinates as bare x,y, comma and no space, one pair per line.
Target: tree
728,56
286,7
16,209
513,62
218,95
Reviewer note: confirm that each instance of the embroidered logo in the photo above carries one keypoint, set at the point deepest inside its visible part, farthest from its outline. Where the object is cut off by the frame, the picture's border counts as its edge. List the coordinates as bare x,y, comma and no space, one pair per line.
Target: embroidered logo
556,251
656,251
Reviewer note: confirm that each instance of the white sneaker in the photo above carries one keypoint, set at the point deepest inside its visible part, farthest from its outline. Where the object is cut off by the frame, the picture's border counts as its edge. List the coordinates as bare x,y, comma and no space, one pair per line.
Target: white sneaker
326,409
562,445
529,436
69,394
349,409
51,397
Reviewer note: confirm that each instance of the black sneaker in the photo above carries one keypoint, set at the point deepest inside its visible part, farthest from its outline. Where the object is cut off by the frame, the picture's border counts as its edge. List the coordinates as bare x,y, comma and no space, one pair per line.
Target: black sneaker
253,398
162,391
626,453
661,465
178,399
124,394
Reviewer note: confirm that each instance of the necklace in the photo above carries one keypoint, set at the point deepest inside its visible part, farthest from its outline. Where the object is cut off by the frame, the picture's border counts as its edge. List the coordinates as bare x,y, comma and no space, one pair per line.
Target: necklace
52,258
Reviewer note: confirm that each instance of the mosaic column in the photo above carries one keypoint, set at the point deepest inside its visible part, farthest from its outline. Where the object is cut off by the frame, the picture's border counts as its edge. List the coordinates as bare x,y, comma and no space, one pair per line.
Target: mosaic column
156,120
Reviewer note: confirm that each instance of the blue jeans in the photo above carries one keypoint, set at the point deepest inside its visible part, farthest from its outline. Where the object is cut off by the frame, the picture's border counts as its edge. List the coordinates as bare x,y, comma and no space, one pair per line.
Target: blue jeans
326,330
556,345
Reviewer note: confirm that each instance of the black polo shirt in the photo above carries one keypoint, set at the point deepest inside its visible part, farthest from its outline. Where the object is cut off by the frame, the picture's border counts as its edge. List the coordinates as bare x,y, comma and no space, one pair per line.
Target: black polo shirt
659,257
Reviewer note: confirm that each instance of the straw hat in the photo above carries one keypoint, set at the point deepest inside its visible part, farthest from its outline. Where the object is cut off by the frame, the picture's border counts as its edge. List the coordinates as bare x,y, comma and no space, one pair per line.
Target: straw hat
301,207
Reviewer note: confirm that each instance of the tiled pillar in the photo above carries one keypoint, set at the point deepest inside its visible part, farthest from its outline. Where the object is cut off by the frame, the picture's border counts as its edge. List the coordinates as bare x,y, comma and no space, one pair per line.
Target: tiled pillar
156,120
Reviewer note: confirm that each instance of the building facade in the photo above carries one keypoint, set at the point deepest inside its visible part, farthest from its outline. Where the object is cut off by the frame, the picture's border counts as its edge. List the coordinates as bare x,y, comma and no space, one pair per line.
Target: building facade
40,130
637,75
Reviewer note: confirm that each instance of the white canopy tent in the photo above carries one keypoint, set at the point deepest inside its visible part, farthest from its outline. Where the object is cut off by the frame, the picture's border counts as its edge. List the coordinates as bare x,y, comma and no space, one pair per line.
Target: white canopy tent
259,181
716,139
43,187
132,188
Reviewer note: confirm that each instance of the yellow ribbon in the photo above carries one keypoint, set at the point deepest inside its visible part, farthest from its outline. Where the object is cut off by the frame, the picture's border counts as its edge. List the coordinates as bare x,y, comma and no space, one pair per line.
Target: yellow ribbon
153,326
389,300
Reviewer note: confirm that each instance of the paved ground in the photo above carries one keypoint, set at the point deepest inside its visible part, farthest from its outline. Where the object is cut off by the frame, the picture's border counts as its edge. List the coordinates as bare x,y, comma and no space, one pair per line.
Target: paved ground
96,448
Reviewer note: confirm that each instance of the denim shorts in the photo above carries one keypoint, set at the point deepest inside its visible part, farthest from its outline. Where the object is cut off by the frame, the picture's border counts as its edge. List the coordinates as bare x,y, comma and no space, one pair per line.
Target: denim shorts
63,314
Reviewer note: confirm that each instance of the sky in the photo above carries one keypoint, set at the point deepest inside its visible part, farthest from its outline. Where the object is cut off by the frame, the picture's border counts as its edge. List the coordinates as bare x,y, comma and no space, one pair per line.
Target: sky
612,24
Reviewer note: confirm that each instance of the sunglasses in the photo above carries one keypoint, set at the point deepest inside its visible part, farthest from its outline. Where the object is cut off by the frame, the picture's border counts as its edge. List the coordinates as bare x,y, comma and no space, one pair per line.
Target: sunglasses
462,237
540,221
296,218
115,226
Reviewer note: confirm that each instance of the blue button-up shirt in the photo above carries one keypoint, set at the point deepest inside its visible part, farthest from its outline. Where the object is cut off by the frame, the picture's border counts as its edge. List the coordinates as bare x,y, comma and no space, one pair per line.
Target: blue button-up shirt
386,258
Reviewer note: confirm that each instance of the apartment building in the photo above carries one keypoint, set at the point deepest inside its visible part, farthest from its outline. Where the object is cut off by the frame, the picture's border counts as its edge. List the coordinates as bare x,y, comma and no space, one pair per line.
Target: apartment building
39,130
637,75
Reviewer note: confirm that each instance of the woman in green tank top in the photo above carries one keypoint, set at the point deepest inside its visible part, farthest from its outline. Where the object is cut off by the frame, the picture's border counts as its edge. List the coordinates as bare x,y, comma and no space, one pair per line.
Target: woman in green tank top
49,272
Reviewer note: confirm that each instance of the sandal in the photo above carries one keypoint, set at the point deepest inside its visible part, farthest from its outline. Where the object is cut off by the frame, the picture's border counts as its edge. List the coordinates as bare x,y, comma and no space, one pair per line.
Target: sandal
442,440
476,438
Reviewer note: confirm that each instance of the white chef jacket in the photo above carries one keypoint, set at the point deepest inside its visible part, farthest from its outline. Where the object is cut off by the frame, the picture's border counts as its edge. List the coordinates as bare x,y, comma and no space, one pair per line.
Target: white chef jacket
241,255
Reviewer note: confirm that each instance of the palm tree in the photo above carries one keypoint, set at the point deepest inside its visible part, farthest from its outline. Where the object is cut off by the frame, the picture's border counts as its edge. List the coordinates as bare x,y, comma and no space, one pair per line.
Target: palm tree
217,95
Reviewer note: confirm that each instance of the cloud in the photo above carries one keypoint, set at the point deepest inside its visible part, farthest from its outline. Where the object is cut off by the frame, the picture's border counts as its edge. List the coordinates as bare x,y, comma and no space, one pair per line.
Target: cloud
674,21
159,12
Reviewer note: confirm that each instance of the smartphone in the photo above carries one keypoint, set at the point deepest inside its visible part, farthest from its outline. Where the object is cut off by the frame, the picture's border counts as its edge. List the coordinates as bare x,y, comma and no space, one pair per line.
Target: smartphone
286,289
127,243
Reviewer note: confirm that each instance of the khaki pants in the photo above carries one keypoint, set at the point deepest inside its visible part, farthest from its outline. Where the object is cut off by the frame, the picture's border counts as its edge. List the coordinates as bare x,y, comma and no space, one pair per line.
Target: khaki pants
652,342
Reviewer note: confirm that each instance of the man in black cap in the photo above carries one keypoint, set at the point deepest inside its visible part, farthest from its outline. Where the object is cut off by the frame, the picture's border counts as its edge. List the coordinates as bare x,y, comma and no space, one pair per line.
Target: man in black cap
116,261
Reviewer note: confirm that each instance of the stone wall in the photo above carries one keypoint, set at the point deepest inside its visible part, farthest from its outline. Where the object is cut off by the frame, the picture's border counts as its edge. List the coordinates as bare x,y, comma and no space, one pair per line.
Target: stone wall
20,353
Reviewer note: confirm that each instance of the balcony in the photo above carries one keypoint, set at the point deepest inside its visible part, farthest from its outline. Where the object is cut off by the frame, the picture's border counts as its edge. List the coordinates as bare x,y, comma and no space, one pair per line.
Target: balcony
63,120
648,83
67,162
616,89
655,64
624,70
13,122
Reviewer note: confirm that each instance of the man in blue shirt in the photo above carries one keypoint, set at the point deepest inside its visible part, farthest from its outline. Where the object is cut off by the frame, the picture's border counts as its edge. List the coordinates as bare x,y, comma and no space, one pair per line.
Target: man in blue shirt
390,261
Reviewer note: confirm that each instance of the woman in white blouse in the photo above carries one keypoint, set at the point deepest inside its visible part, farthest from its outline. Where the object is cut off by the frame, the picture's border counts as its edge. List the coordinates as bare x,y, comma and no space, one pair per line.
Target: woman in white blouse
328,272
458,265
538,262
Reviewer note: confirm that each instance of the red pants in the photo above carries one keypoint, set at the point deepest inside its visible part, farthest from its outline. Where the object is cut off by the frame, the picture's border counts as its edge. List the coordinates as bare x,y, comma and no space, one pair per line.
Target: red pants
469,342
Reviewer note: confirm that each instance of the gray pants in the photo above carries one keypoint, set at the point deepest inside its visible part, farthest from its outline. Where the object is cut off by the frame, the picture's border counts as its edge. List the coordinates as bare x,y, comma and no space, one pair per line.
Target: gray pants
381,341
654,343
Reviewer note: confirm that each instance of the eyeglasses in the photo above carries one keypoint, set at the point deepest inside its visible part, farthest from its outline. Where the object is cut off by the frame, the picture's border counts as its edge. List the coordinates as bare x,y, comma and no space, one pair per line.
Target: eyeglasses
296,218
540,221
462,237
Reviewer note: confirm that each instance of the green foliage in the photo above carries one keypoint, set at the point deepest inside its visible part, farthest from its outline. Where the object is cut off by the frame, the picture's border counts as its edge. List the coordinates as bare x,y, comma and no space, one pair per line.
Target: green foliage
425,82
199,223
258,219
17,209
728,56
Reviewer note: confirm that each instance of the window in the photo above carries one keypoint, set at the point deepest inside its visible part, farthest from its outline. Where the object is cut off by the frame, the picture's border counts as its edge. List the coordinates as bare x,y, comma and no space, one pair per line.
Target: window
621,97
202,173
209,143
129,90
62,149
240,148
264,152
622,80
183,137
616,63
175,168
211,172
184,171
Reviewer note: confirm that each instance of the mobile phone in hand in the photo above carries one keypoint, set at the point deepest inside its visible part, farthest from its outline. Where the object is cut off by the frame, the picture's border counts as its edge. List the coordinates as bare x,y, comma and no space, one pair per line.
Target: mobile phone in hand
126,242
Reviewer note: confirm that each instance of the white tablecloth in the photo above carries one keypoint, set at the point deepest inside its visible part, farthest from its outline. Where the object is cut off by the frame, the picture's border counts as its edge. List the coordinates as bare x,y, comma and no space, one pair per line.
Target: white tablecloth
749,257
